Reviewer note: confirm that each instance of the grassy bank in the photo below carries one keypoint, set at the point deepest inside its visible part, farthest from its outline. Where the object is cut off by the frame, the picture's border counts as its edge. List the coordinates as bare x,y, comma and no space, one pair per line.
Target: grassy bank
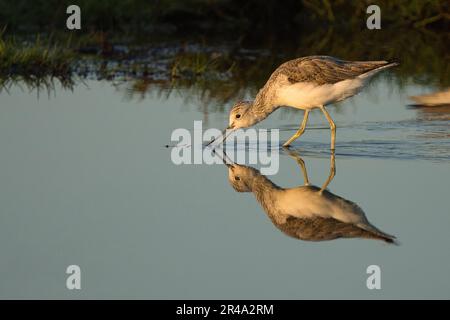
34,59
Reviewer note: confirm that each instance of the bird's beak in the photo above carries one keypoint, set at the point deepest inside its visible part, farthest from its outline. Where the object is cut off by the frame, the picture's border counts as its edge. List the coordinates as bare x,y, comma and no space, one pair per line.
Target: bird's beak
228,164
226,161
230,130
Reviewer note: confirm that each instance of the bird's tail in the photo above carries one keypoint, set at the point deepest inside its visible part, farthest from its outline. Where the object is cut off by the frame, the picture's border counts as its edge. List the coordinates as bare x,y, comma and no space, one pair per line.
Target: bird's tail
378,234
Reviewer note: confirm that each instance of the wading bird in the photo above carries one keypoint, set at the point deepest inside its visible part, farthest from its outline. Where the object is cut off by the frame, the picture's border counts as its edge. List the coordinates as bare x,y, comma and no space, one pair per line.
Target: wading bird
305,83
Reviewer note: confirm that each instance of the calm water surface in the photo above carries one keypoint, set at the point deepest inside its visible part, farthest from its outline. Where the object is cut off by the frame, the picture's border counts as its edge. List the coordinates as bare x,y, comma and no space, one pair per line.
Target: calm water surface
85,179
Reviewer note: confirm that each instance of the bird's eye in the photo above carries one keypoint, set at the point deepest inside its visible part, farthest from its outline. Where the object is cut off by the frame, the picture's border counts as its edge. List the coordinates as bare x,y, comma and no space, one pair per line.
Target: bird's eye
238,116
237,178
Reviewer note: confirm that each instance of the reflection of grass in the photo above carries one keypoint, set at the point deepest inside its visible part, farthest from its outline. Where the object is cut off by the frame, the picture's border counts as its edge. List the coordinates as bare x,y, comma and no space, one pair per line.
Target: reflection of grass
43,83
33,59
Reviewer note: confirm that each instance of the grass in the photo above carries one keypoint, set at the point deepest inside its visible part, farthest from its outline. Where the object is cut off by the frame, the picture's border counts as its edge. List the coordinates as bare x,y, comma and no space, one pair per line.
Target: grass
189,65
34,58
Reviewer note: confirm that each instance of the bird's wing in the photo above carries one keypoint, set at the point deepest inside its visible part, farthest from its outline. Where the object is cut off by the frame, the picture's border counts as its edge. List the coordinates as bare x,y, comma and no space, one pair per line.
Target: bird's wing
320,229
325,70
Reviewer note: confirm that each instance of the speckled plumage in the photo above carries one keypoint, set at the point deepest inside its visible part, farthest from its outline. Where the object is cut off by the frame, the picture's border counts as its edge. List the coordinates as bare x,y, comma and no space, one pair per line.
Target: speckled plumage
305,212
324,69
313,72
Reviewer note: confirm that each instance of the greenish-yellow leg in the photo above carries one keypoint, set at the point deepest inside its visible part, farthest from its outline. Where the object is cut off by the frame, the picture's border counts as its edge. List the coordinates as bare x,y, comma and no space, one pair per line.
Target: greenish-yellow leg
302,165
332,126
299,131
332,172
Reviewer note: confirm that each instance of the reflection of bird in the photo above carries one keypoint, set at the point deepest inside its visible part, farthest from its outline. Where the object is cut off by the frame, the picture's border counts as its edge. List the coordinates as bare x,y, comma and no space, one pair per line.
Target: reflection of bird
306,83
306,212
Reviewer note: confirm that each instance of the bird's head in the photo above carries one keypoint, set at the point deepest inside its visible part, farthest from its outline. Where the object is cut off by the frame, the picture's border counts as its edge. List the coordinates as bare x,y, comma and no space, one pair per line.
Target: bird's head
240,117
241,177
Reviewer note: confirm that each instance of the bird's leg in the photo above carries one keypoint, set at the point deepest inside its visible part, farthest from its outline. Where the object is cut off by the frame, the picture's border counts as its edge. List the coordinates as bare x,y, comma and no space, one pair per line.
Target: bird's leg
299,131
302,166
332,126
332,172
305,173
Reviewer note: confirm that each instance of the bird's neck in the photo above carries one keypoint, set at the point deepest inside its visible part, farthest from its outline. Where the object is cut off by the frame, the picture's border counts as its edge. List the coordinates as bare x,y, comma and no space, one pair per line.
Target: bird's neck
265,191
263,105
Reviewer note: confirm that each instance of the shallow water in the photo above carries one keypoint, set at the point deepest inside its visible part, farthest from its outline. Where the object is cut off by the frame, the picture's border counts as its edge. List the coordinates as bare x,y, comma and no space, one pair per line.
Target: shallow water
85,179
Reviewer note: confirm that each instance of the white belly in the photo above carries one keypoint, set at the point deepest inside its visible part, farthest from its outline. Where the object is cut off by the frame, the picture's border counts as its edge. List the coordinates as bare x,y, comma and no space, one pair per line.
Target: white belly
307,95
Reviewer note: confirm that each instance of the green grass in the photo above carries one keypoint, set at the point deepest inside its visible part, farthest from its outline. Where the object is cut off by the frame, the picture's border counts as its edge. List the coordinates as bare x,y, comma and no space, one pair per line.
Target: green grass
34,58
189,65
